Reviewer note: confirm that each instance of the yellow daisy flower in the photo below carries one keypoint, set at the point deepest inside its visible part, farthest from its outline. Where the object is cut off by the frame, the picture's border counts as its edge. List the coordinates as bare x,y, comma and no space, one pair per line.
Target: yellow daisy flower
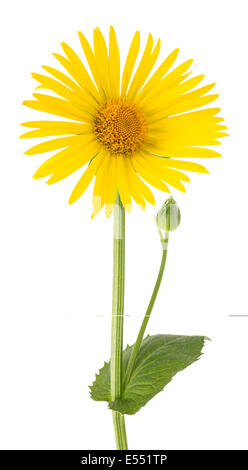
128,131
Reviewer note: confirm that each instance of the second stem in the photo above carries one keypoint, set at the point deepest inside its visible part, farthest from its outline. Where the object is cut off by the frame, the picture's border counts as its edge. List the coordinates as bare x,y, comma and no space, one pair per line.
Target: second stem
164,242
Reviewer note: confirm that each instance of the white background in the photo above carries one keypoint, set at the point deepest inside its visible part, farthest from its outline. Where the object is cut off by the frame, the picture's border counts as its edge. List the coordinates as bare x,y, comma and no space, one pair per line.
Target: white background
56,264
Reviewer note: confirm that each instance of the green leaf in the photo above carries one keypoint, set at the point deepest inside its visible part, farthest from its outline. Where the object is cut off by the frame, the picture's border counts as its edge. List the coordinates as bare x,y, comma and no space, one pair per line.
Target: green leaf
160,357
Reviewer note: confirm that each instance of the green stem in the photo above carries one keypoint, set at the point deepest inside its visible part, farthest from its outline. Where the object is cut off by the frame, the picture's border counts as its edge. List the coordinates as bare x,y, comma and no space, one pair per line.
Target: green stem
120,431
135,350
117,320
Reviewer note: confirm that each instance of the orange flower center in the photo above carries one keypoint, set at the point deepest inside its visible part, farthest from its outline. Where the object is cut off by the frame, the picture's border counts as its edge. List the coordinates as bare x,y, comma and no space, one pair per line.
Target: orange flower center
120,126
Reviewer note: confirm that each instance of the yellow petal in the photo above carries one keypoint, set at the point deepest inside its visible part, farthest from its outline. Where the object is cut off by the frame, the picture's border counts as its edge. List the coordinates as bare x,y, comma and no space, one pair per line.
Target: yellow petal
58,111
174,102
77,108
186,152
83,78
172,177
75,74
181,165
114,63
77,98
156,163
135,193
55,144
92,63
196,115
182,106
130,61
50,165
53,85
174,74
101,182
177,92
156,77
69,166
85,179
141,186
62,78
102,61
123,185
147,62
181,138
59,107
57,128
112,186
150,177
172,79
202,121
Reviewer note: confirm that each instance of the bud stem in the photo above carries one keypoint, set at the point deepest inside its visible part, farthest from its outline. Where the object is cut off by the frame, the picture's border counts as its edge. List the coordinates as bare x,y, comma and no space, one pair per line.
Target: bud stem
164,242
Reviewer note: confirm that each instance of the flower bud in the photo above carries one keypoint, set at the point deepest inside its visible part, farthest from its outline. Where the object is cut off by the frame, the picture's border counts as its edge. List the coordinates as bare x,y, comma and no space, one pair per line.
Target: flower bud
169,216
